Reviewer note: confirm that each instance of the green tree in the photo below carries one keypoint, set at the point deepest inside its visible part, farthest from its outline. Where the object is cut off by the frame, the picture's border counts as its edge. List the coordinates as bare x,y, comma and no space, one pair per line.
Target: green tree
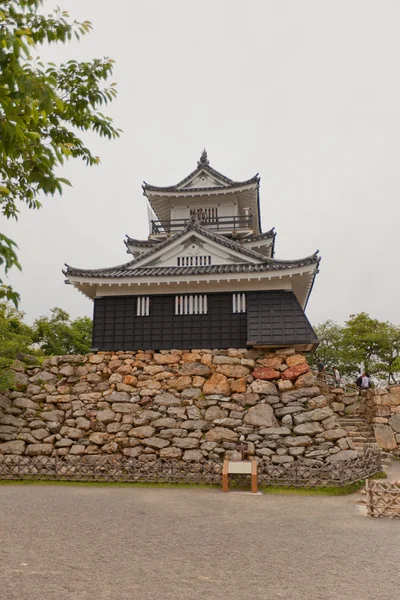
43,107
58,334
330,349
15,338
361,340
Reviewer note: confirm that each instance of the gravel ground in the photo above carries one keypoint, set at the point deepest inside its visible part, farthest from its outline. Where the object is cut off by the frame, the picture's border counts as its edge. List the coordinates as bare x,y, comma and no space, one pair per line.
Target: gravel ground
86,543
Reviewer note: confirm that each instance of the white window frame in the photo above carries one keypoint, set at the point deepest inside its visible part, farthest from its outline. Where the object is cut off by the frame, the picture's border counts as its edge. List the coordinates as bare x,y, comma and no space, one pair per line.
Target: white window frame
193,261
143,306
191,304
239,304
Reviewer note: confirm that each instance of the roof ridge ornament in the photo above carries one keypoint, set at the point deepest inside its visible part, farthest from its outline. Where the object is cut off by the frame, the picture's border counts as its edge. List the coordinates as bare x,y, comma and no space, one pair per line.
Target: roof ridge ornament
203,161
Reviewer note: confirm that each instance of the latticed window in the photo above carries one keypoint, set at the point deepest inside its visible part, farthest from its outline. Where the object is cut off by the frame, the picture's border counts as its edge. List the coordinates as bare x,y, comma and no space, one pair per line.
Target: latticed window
191,305
193,261
207,215
143,306
238,303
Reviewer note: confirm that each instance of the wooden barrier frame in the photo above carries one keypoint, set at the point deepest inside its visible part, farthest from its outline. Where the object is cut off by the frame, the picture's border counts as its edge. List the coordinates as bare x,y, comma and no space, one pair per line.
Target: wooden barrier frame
242,467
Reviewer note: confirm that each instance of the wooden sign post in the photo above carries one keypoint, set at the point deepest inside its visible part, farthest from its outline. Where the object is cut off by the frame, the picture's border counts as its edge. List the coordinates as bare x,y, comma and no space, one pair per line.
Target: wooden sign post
242,467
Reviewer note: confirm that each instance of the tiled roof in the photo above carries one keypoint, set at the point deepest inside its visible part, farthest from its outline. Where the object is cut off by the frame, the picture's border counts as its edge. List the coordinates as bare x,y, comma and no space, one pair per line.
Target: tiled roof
129,269
261,236
202,165
141,243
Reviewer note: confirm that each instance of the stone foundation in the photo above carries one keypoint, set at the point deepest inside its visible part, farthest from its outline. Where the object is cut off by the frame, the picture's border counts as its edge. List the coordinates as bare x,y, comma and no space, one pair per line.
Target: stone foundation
383,411
189,406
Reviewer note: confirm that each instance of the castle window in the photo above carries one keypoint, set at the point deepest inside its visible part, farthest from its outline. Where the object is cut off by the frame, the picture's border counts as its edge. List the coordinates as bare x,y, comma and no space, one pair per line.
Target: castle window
207,215
191,305
143,306
193,261
238,303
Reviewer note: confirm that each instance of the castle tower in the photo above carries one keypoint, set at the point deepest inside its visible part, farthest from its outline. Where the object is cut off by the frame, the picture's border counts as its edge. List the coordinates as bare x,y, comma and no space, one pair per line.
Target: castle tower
206,277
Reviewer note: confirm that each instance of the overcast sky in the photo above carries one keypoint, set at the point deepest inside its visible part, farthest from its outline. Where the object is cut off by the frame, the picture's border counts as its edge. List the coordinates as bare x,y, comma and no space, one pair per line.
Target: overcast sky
306,93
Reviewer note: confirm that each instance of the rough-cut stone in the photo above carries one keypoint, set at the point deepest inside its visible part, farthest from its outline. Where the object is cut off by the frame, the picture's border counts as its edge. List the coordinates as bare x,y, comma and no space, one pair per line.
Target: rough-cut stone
193,424
334,434
226,360
266,373
221,434
308,429
264,387
273,362
307,380
99,438
385,437
170,452
142,432
394,423
337,407
317,402
296,359
192,456
215,412
166,422
40,434
285,385
217,384
195,368
39,449
319,414
13,447
239,386
293,372
25,403
289,410
106,416
180,383
119,397
343,455
275,431
166,399
166,359
186,443
261,415
234,371
294,395
155,442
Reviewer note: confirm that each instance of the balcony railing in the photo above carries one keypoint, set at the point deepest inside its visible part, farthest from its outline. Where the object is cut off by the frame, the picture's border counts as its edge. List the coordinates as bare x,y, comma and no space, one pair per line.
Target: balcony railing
213,223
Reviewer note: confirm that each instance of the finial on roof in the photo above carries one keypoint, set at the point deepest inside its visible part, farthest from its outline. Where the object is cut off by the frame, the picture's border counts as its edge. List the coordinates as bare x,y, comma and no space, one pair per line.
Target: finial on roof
203,159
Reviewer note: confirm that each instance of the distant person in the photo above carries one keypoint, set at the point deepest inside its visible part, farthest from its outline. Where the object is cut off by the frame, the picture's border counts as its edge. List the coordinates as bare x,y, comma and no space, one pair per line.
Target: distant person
336,374
321,370
365,381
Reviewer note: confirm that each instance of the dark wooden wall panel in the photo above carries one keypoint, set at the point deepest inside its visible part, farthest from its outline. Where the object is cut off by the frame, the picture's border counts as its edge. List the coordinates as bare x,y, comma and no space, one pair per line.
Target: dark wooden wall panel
116,326
273,318
276,318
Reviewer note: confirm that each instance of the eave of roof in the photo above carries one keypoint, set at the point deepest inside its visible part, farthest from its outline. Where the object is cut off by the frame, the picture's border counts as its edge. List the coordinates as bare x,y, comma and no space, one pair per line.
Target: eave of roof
175,189
141,243
261,236
129,269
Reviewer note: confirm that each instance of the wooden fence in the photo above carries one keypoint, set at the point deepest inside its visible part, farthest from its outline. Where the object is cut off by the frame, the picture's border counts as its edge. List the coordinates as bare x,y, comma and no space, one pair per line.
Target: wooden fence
383,498
99,468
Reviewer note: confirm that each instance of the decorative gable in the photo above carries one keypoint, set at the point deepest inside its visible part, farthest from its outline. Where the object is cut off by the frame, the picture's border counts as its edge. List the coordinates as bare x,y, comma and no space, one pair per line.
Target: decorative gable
203,179
196,249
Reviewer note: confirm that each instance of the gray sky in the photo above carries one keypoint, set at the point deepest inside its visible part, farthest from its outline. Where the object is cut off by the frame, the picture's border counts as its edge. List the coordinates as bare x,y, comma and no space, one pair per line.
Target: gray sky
305,93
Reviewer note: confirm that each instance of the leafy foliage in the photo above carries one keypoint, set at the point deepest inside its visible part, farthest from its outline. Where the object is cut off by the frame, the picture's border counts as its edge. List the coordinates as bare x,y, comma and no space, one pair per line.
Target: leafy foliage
15,338
362,339
42,109
58,334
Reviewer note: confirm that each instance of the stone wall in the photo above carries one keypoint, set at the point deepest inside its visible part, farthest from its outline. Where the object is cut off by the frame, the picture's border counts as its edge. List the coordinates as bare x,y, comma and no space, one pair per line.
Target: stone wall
181,405
382,407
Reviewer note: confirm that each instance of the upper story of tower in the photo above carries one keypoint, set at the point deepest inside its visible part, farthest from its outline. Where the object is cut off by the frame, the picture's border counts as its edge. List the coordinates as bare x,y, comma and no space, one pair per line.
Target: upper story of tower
230,208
